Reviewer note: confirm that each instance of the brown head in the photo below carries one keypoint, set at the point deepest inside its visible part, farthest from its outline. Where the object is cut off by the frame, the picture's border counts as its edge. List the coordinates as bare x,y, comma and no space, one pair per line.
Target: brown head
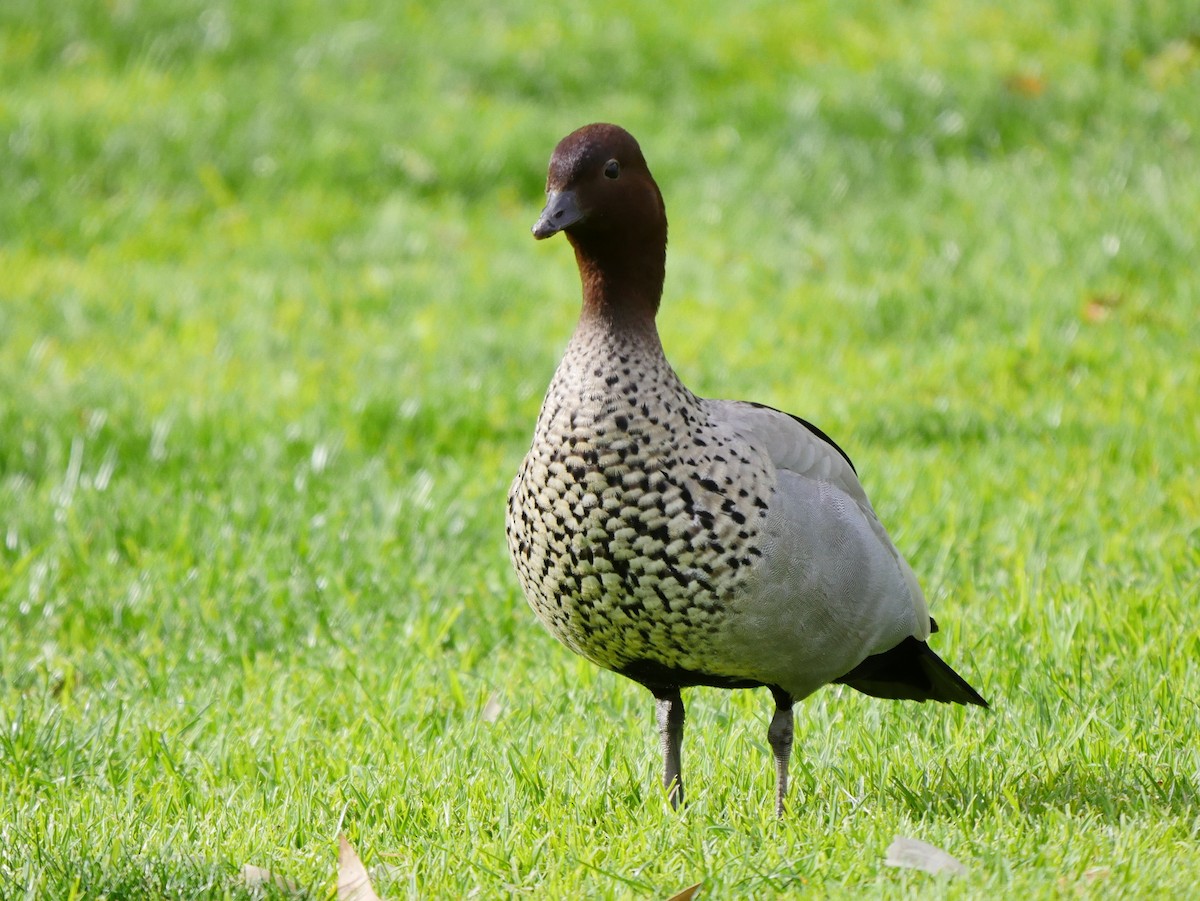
600,192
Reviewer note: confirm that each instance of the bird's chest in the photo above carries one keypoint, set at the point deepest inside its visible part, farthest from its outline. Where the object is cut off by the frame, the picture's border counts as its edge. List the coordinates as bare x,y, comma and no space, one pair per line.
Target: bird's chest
634,524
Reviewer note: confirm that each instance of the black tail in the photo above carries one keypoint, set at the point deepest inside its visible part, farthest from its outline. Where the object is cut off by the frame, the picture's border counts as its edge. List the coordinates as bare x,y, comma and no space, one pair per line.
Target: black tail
911,671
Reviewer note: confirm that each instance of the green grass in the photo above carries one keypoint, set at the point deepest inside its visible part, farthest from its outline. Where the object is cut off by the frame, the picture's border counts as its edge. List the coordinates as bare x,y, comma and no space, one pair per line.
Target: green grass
273,336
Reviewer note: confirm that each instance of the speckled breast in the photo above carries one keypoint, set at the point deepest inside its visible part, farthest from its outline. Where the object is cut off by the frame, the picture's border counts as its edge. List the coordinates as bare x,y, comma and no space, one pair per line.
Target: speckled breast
633,525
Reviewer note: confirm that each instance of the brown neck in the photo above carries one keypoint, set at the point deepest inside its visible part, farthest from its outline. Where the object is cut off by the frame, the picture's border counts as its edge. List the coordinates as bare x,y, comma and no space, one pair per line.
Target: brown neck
622,280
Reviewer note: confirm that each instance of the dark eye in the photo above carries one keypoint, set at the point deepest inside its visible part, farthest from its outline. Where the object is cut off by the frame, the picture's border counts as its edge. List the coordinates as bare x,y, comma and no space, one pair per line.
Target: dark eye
612,169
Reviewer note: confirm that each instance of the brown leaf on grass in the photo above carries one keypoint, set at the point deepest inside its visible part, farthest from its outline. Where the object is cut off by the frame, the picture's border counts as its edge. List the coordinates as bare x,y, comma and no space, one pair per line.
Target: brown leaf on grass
914,854
256,876
1026,84
687,894
1100,306
353,883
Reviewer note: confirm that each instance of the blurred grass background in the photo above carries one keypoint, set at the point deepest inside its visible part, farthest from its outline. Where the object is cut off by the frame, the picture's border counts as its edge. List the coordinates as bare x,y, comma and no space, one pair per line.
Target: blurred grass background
273,335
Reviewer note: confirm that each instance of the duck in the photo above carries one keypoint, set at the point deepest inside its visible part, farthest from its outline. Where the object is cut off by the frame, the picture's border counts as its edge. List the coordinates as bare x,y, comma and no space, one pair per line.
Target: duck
682,541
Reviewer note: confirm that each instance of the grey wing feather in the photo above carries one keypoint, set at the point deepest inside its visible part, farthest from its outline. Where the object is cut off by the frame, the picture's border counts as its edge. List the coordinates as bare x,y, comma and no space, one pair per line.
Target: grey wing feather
798,448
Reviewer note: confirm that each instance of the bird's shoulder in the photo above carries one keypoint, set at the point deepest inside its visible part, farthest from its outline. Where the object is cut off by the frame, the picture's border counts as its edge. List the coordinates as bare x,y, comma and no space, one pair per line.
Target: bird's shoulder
793,444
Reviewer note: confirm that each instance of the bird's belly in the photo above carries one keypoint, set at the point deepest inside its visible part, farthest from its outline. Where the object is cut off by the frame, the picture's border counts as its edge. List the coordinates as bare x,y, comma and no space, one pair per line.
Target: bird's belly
618,615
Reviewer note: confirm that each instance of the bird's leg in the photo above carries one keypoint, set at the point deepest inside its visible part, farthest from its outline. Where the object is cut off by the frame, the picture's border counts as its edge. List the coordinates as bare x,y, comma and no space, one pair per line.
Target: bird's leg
669,706
779,736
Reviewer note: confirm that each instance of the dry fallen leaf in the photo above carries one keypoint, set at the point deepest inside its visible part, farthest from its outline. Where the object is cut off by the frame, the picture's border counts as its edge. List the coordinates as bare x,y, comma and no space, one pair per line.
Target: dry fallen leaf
1095,874
353,883
1099,306
492,709
253,876
687,894
1026,84
918,855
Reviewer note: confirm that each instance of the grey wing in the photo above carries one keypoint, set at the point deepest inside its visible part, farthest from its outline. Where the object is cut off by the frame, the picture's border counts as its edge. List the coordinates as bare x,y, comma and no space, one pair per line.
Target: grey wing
832,581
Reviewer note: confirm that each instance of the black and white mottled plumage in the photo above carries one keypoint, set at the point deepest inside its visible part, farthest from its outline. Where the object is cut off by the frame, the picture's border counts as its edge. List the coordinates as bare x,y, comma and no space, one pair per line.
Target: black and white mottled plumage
682,541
